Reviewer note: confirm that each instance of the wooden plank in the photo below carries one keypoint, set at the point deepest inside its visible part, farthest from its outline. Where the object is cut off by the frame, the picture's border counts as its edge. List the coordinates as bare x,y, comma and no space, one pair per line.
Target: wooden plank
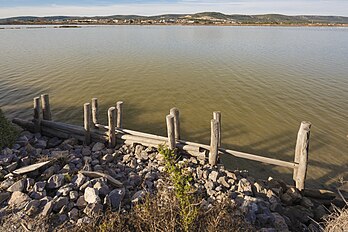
87,122
175,113
170,131
46,108
37,117
30,168
119,108
301,154
112,124
95,111
214,142
217,116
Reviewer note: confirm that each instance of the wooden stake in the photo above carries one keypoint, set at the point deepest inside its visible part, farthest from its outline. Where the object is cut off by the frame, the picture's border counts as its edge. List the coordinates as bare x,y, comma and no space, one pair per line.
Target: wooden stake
95,111
301,155
46,109
112,124
37,118
175,113
217,116
170,131
214,142
87,122
119,107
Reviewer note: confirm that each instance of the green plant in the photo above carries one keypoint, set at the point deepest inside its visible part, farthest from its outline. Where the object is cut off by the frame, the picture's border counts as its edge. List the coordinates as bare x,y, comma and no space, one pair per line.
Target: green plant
8,132
181,180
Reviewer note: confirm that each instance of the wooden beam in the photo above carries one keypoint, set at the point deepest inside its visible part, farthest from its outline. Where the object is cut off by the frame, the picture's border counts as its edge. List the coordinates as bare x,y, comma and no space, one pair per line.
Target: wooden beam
217,116
301,155
37,117
95,111
46,108
175,113
119,108
170,131
112,124
214,142
87,122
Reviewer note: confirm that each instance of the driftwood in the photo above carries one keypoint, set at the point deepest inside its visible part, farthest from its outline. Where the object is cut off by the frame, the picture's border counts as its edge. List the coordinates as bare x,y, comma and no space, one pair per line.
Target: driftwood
112,180
214,142
31,168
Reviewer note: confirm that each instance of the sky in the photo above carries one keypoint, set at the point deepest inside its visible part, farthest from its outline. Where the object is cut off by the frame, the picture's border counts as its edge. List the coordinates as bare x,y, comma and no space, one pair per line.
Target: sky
12,8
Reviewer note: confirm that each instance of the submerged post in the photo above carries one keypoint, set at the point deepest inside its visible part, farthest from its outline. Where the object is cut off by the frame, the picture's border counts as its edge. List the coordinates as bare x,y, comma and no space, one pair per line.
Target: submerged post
214,142
46,109
301,155
170,131
95,111
112,124
87,122
217,116
37,118
119,107
175,113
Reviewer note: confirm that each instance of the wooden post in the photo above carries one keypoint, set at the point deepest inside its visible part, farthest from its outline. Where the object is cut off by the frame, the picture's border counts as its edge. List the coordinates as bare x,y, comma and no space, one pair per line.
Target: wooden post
214,142
119,107
217,116
46,109
112,124
37,118
170,131
95,111
87,122
301,155
175,113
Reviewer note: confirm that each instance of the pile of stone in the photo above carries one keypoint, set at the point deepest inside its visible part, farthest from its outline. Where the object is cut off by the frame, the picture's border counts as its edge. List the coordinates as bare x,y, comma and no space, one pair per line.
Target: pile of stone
72,183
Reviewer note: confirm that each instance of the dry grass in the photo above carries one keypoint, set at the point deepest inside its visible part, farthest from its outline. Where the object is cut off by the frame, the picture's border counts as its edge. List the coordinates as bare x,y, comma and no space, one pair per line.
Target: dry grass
337,221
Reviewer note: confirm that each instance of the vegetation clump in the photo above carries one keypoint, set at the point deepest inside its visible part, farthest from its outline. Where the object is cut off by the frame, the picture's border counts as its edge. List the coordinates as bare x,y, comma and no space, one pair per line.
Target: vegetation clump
8,132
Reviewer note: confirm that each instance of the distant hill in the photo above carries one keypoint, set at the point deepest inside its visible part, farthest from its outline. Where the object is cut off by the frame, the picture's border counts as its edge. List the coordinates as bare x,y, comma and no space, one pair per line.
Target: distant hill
204,17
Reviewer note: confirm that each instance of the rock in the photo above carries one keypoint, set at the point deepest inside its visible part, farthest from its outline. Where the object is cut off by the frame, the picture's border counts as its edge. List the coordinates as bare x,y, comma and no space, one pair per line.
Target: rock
245,187
306,202
6,183
22,141
47,209
53,142
39,186
295,194
116,196
55,181
40,144
79,180
29,183
222,181
64,190
32,207
73,195
138,196
231,175
319,213
17,186
298,213
213,176
11,167
18,199
93,210
98,147
107,158
59,203
73,214
81,203
286,199
4,196
279,222
102,188
91,195
38,195
86,151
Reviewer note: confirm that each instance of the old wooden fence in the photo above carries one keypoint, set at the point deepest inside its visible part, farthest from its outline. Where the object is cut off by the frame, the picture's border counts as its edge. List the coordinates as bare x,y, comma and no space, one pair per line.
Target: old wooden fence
113,133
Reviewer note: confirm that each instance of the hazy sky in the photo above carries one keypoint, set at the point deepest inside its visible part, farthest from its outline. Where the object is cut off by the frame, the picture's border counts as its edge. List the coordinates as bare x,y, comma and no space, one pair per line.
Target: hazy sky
10,8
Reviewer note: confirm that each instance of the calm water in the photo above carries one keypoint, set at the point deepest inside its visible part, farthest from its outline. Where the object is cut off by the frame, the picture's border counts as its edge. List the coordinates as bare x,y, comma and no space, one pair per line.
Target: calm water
264,80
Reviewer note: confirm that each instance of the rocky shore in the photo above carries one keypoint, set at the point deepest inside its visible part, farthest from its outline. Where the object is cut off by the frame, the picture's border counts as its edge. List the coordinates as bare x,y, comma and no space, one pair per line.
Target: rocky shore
68,184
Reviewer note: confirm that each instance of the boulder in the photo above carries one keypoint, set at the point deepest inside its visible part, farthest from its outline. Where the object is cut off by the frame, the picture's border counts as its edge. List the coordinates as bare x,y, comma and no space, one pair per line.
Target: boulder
98,147
91,195
18,199
17,186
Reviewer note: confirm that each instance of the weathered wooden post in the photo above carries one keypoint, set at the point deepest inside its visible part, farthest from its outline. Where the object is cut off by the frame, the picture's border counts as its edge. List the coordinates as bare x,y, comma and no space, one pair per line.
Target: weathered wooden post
214,142
95,111
217,116
112,124
119,107
87,122
301,155
46,109
37,118
175,113
170,131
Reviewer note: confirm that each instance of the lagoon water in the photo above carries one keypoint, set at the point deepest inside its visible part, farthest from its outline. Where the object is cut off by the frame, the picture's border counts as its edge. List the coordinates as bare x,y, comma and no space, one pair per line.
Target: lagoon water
264,80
